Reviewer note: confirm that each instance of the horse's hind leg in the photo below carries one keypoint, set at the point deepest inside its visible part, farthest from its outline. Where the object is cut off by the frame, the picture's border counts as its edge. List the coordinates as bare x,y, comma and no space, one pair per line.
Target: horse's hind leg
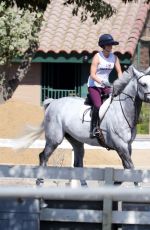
46,153
53,138
78,149
50,146
43,158
52,141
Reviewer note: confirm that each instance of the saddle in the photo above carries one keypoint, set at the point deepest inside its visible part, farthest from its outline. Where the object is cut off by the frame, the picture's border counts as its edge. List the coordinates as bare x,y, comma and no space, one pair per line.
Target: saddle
86,110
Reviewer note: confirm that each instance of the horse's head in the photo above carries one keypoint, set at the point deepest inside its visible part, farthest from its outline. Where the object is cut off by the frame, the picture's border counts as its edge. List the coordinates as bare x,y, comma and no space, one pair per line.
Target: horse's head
143,86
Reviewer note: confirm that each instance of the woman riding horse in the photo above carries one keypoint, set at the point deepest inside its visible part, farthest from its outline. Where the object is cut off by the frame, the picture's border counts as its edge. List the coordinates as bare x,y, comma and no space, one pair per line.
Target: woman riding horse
102,64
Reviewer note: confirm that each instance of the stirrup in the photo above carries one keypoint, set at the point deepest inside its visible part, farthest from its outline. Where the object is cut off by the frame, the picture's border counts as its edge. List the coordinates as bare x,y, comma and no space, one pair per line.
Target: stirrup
94,132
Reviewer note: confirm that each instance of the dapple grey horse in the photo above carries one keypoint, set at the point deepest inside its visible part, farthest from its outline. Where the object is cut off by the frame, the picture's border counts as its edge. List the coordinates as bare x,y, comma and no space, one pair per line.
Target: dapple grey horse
118,125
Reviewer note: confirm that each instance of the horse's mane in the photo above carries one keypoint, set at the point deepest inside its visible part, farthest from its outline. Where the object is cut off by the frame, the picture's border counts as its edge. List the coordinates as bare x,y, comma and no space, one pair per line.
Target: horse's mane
147,71
120,83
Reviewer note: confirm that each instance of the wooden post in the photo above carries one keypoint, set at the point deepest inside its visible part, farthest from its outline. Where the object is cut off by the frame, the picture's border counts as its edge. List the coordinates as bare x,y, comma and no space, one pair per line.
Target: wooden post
107,202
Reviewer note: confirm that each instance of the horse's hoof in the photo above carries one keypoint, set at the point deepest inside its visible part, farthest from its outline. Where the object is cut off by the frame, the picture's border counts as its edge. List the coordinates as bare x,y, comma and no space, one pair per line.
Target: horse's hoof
83,183
39,181
117,183
137,184
43,204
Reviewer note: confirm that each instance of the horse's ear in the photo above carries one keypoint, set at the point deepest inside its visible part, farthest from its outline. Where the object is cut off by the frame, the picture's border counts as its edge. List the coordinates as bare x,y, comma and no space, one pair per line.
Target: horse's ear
147,71
129,71
136,72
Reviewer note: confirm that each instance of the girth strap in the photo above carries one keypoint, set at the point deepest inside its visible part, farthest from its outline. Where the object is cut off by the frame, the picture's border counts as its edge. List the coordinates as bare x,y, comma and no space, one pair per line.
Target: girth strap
100,138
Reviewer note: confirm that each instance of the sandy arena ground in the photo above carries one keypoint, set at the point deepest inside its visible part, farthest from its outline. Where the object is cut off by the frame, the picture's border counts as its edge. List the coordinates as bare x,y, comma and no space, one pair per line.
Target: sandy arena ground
15,115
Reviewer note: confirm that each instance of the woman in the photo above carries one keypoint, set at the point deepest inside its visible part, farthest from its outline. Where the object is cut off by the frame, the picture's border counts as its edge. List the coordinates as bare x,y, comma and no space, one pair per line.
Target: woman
102,64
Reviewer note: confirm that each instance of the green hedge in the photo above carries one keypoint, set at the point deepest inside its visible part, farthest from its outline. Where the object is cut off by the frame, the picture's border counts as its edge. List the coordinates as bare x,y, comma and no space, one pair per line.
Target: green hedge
143,123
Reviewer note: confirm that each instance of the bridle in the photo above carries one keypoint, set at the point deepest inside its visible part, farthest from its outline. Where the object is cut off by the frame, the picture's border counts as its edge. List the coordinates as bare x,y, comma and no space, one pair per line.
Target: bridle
134,103
145,94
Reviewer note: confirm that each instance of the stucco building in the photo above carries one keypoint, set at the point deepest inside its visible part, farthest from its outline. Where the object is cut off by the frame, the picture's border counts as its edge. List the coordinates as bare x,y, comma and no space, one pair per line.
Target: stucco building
61,65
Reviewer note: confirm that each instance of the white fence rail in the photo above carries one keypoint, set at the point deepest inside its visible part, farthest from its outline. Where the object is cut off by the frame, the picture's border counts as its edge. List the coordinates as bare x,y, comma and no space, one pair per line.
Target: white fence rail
104,207
138,143
116,193
109,175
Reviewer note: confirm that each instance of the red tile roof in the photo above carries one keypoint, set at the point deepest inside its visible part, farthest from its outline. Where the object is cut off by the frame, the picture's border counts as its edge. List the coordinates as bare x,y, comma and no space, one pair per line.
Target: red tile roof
64,32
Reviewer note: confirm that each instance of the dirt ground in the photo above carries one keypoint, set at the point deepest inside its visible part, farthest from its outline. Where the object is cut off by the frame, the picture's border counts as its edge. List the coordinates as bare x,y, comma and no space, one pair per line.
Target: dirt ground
15,115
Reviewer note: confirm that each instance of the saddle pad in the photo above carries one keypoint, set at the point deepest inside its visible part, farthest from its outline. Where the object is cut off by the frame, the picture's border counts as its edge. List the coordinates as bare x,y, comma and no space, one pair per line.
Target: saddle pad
85,113
104,107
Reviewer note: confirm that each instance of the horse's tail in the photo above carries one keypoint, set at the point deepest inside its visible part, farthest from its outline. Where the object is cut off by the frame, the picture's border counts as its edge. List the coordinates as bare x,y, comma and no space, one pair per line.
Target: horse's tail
47,102
32,134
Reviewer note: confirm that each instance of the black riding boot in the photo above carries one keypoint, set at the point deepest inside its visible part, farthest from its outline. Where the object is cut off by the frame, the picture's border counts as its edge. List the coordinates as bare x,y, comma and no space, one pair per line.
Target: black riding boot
94,121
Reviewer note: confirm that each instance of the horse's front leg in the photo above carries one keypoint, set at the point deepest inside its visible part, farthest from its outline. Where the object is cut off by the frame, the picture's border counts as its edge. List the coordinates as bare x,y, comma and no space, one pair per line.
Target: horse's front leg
125,155
124,151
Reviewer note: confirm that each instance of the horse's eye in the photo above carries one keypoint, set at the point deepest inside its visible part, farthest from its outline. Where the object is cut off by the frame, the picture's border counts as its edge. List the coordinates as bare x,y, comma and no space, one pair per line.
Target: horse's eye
143,84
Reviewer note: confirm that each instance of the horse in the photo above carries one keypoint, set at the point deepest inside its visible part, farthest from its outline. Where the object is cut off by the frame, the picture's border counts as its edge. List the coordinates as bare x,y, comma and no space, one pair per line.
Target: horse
117,125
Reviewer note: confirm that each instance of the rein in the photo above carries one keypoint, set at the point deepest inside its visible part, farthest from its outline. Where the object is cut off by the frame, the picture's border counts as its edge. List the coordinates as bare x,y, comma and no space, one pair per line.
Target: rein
132,98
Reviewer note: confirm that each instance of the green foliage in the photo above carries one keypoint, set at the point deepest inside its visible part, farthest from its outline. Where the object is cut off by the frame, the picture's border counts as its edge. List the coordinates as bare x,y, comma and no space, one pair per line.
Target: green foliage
97,9
125,1
17,28
144,119
32,5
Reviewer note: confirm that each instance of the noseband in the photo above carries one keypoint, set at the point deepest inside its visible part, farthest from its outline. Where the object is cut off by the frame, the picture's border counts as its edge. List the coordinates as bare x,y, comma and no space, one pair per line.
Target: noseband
145,94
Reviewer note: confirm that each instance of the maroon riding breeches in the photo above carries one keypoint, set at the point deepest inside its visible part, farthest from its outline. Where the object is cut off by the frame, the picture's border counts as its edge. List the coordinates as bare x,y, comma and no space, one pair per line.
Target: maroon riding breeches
95,95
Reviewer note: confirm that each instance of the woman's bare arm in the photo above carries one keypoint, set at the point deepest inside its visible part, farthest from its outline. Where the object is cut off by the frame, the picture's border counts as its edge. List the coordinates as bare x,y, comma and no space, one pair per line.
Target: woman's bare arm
118,67
93,69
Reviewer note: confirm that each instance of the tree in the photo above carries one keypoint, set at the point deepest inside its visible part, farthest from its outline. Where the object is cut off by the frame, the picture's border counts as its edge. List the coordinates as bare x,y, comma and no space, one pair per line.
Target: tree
8,86
19,36
96,8
17,28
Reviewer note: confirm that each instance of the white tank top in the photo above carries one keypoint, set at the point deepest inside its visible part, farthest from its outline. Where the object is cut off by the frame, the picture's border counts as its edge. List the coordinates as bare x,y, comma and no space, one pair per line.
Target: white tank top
104,68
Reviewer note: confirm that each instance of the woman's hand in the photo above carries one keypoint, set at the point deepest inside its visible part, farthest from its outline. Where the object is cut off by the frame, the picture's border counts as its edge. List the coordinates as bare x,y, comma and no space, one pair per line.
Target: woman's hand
106,83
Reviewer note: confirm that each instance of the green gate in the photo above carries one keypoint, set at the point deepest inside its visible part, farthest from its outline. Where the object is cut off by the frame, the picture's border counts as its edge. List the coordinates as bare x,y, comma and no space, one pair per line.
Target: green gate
61,80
